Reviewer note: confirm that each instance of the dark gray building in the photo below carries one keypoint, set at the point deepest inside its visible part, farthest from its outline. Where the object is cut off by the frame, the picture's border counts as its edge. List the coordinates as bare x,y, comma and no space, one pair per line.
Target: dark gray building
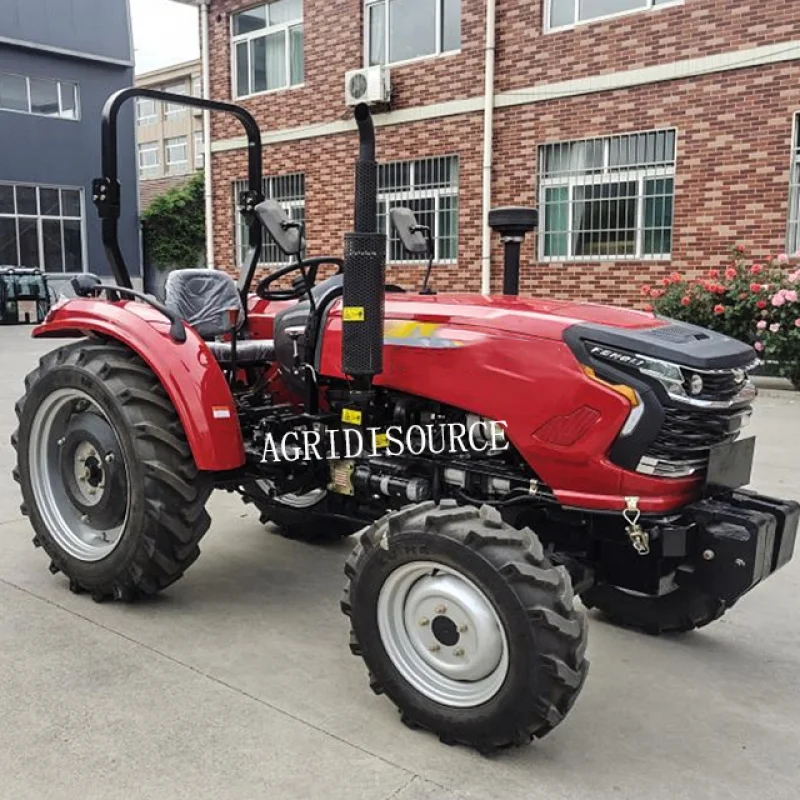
59,61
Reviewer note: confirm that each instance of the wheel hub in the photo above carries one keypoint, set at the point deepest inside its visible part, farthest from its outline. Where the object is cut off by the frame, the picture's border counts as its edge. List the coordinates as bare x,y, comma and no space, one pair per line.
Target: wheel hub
443,634
462,641
78,474
90,479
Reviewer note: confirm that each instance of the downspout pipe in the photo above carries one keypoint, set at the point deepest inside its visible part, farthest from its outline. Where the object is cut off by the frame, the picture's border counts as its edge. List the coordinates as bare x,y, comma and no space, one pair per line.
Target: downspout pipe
206,81
488,130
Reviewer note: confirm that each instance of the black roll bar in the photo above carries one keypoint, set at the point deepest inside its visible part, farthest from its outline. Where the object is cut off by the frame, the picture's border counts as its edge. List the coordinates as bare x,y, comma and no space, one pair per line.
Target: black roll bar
106,190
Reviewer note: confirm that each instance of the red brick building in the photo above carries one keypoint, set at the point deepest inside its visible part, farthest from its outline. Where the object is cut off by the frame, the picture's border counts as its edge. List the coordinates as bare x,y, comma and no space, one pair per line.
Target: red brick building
651,134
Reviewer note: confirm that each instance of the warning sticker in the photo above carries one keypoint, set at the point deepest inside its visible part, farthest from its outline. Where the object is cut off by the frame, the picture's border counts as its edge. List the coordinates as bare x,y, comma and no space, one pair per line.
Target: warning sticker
351,416
353,313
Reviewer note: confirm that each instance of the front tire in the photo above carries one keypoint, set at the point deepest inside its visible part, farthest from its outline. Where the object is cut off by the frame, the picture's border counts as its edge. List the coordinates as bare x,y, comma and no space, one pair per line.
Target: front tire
107,476
465,625
679,611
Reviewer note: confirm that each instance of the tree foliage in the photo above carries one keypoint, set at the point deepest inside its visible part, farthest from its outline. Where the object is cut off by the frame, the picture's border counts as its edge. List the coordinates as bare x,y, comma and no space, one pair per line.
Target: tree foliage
174,225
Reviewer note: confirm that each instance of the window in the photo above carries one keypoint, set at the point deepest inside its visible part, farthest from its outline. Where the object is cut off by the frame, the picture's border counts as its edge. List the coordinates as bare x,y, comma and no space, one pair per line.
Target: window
197,86
268,47
607,198
401,30
173,109
41,96
793,238
199,153
565,13
146,111
148,159
177,154
290,192
41,226
429,187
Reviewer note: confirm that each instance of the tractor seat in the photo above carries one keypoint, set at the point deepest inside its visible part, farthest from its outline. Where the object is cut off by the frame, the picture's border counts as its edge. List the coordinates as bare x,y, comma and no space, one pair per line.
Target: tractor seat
204,299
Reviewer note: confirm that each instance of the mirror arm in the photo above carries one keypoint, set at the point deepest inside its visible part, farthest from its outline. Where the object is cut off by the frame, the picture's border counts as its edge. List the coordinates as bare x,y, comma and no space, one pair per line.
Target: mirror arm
429,241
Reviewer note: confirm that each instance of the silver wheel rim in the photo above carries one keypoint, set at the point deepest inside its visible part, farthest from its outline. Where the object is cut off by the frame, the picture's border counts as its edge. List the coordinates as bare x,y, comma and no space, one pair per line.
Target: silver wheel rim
460,662
305,500
67,524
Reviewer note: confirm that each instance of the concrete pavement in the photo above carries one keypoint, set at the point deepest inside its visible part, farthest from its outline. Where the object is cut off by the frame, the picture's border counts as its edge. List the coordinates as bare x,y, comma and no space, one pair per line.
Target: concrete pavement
238,682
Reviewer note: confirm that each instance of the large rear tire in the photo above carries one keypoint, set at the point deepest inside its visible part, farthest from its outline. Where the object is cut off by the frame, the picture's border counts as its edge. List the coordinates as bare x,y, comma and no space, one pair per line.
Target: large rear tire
107,476
679,611
302,517
464,623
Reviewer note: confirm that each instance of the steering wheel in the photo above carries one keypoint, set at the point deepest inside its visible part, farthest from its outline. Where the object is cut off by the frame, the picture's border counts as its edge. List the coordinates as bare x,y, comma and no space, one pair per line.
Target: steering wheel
300,287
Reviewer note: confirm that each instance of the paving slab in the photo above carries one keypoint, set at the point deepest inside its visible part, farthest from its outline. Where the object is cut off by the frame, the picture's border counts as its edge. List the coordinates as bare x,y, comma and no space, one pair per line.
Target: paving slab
237,682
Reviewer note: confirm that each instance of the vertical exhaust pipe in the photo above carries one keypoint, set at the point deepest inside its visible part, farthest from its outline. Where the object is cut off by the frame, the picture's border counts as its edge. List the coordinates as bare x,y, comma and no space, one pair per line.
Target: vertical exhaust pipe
512,224
364,268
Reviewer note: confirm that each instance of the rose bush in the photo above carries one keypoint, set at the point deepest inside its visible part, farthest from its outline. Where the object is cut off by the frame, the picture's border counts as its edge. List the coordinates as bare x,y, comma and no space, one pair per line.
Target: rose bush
755,302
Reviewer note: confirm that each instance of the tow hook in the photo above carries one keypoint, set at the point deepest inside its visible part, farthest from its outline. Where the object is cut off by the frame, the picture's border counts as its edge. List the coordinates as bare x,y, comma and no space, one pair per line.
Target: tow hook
640,539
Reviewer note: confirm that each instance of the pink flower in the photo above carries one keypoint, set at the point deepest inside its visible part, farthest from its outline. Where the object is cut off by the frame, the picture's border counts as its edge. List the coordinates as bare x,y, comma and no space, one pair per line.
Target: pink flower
797,323
730,273
778,299
794,277
761,325
783,258
719,309
774,328
756,269
759,346
790,295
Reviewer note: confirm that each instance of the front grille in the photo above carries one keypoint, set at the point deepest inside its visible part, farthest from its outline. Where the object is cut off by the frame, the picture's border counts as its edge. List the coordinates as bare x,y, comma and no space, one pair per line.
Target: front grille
722,384
686,437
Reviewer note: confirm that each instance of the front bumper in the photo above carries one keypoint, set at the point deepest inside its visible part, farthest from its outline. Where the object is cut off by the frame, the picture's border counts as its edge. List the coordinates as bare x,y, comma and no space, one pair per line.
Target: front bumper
740,540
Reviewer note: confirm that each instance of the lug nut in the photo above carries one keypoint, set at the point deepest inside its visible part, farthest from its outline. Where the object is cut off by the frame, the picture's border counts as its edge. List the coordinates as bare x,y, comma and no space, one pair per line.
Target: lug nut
459,651
109,458
424,621
441,609
708,555
61,441
434,648
462,628
740,562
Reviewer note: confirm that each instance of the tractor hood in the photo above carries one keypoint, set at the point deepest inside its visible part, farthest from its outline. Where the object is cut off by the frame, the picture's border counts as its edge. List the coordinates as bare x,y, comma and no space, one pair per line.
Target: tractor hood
620,331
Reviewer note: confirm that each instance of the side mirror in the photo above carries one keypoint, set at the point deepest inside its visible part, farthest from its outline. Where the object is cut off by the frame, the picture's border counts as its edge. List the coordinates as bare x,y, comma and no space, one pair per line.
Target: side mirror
286,233
411,233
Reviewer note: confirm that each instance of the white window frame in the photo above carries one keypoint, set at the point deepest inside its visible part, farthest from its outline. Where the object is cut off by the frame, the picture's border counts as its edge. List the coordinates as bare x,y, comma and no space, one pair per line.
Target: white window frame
170,144
39,217
605,175
146,119
146,170
649,5
59,84
439,51
198,142
436,193
173,109
793,223
269,30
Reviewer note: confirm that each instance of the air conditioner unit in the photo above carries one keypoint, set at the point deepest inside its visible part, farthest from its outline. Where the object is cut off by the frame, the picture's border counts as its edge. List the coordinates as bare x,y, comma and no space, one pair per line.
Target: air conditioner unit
370,86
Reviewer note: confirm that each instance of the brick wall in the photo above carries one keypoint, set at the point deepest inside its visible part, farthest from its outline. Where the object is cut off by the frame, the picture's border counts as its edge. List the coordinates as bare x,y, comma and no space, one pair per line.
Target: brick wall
527,56
734,130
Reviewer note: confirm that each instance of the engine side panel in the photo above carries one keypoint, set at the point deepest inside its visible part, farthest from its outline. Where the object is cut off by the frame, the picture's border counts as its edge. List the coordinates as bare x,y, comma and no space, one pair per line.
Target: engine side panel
560,421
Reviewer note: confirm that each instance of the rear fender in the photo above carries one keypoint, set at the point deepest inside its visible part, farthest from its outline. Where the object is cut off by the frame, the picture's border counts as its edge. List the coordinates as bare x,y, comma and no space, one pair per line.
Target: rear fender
188,372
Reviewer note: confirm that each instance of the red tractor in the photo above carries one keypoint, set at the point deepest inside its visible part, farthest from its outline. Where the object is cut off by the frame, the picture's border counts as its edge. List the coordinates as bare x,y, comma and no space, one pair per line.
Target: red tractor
497,454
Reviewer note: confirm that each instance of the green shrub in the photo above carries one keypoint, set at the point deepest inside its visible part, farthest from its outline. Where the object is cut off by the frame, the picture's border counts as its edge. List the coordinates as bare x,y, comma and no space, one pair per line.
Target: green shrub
757,303
174,225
